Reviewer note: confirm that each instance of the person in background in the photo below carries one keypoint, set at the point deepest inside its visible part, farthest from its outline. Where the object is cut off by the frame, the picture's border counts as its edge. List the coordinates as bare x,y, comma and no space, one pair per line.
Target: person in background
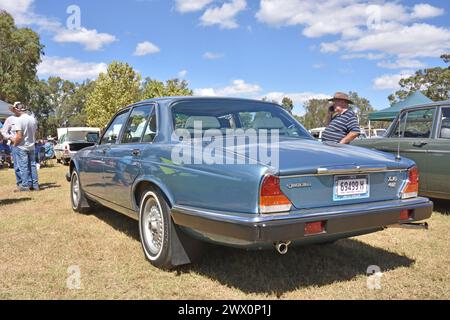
24,140
8,134
344,125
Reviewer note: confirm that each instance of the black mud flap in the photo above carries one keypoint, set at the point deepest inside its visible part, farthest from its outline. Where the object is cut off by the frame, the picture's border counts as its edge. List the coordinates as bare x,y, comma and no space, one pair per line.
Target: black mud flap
185,249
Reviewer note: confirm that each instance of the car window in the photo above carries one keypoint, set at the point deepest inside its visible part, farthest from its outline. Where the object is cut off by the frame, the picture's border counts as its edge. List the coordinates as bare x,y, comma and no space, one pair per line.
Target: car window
92,137
242,115
419,123
136,125
445,124
62,139
399,126
112,133
151,128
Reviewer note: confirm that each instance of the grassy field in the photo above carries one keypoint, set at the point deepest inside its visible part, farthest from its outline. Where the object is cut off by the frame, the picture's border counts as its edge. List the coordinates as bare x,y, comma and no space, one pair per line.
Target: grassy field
40,238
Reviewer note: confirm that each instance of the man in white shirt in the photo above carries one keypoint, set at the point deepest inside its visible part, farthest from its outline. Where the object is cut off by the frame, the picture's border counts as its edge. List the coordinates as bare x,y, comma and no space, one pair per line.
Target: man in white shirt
8,134
25,127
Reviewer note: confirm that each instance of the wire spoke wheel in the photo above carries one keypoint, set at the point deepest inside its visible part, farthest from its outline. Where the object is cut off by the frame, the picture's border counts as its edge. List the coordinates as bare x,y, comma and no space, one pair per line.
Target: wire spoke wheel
153,226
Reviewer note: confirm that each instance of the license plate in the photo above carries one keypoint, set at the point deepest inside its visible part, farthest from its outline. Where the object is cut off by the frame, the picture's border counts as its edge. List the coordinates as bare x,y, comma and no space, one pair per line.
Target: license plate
351,187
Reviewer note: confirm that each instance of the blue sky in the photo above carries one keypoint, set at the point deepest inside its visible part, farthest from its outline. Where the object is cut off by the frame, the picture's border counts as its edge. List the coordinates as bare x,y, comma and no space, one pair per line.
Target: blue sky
247,48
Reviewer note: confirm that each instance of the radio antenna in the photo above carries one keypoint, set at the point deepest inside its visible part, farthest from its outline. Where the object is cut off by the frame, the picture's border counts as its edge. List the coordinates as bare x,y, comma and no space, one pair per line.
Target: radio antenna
398,157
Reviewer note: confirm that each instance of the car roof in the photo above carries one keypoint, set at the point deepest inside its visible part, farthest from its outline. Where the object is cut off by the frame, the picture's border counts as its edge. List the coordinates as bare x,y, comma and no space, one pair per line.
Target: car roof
427,105
170,100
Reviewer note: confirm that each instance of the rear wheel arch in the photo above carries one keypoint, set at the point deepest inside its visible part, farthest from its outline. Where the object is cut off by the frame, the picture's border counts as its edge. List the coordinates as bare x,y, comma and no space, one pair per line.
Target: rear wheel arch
145,185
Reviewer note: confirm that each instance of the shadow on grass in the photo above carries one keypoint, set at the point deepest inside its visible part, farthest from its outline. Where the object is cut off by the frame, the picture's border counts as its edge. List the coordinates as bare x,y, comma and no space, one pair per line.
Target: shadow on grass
46,186
442,206
5,202
266,272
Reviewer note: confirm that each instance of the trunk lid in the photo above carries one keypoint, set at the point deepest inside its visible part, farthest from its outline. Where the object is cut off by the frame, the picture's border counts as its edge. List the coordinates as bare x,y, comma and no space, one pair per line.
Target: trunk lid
309,170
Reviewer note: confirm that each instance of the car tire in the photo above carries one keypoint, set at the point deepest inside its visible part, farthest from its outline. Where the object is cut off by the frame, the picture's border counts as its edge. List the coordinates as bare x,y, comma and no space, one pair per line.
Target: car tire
78,199
155,227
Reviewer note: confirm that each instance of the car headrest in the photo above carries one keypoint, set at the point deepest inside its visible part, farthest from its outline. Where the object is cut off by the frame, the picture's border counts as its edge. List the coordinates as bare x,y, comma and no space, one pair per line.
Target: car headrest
445,133
268,123
207,122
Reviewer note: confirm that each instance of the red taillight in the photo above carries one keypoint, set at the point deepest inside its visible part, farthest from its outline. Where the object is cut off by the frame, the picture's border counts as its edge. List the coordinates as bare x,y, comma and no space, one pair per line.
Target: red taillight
272,198
411,189
405,215
314,228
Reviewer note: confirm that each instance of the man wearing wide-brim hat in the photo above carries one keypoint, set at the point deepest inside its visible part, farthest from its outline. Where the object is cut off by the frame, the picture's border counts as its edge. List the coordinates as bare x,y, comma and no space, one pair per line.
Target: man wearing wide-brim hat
344,125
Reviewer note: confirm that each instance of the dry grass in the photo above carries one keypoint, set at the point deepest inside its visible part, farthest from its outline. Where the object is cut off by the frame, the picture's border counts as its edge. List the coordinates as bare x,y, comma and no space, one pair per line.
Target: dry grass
40,237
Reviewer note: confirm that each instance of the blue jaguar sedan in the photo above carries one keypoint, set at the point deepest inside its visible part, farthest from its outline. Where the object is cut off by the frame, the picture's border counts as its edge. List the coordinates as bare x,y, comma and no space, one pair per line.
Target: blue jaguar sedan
240,173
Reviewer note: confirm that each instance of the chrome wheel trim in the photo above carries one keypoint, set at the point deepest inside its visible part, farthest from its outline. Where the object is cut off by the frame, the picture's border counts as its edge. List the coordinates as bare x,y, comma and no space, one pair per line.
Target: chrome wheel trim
152,226
75,190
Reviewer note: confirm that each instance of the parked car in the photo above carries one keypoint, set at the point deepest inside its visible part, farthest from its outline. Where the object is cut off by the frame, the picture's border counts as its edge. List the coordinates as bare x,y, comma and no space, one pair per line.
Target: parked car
378,133
424,136
72,140
318,192
317,133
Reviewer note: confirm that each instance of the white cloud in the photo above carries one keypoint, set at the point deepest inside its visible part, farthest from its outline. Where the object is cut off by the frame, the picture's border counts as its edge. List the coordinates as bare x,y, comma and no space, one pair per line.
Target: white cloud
386,27
70,68
401,64
225,15
299,98
418,40
329,47
182,74
212,55
90,39
191,5
16,7
237,88
424,10
390,81
368,56
145,48
24,15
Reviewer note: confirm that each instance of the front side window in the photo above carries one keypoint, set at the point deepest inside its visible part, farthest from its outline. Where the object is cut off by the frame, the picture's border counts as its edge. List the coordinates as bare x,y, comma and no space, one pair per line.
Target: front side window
112,133
414,124
419,124
137,124
445,124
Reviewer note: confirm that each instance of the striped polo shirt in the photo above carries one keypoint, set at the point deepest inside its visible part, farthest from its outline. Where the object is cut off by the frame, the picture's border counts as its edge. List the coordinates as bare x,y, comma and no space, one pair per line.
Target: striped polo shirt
341,126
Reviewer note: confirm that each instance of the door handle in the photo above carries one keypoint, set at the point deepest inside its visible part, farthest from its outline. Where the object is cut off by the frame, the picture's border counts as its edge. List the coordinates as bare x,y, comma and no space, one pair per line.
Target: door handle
136,152
420,144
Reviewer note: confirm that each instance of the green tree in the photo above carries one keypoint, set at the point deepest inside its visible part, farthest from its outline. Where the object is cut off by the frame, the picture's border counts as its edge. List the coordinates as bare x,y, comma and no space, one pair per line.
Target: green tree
40,105
362,108
432,82
20,53
316,113
175,87
74,109
287,104
115,89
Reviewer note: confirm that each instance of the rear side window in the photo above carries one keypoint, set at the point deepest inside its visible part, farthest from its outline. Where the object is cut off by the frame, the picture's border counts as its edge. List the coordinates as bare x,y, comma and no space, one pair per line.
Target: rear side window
445,124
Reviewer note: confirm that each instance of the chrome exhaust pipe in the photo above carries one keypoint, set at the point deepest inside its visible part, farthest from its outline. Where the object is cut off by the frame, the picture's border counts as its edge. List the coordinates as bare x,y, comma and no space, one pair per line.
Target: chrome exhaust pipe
282,247
421,226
